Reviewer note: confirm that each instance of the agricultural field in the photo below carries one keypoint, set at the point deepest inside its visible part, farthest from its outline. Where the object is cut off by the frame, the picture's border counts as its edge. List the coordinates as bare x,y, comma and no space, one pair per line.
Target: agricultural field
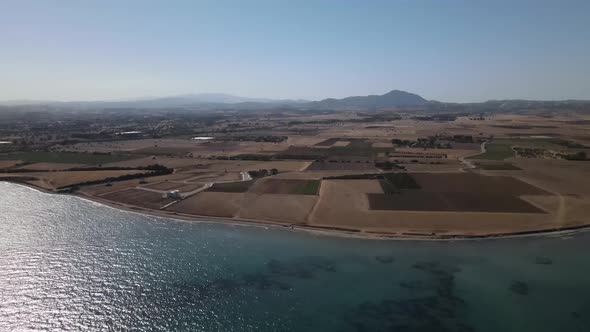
288,187
462,192
8,163
138,197
417,200
391,171
181,187
498,167
209,203
54,180
500,149
281,207
65,157
340,166
231,187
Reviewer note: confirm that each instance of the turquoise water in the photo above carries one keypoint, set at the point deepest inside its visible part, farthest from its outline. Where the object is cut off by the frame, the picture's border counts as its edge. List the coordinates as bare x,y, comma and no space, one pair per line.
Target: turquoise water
67,264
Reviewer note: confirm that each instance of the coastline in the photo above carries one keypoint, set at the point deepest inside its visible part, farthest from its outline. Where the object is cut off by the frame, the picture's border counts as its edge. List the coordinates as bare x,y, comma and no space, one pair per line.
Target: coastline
312,229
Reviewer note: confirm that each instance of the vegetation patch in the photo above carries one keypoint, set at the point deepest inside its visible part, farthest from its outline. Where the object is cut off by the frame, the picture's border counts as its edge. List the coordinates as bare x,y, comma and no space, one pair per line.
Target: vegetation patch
328,142
289,186
231,187
500,149
496,150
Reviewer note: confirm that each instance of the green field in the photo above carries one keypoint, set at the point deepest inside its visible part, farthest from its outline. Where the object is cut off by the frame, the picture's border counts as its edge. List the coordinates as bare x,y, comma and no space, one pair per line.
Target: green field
310,187
65,157
499,167
500,149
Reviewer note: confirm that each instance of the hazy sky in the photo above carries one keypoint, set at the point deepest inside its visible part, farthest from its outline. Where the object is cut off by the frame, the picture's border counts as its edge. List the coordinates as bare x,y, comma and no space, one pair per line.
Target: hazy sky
445,50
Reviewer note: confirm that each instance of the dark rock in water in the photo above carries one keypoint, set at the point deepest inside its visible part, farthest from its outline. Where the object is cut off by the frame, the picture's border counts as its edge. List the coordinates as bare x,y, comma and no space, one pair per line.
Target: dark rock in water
301,267
263,281
440,309
543,261
417,285
385,259
575,314
519,288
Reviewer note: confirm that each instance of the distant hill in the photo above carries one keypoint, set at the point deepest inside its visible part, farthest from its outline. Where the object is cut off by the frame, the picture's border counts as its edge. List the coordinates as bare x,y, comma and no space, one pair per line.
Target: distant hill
220,101
394,98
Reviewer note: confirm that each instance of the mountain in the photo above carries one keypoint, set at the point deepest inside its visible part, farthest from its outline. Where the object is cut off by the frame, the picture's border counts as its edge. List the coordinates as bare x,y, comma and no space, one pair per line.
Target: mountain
394,98
189,101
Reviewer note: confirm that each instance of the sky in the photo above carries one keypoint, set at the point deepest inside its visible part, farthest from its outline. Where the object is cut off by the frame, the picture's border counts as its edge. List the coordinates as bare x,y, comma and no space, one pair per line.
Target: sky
456,51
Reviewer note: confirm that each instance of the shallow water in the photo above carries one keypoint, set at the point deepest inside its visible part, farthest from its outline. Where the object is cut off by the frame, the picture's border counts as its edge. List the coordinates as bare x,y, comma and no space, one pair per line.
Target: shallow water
67,264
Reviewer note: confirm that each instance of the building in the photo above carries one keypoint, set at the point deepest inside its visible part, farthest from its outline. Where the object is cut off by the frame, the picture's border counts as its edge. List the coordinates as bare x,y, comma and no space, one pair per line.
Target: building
172,194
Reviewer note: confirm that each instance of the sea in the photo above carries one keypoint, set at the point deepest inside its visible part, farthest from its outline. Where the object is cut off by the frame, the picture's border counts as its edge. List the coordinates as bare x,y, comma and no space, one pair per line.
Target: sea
70,264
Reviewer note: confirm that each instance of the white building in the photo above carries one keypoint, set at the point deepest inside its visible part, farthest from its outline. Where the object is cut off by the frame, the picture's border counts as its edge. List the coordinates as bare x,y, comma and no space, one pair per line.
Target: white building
172,194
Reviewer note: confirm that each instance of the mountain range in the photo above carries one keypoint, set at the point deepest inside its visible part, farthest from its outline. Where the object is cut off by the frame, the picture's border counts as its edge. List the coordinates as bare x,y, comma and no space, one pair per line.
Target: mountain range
220,101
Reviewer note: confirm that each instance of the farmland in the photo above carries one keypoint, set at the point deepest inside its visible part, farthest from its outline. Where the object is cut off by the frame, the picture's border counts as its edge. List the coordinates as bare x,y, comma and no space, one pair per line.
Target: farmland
288,186
65,157
383,172
138,197
231,187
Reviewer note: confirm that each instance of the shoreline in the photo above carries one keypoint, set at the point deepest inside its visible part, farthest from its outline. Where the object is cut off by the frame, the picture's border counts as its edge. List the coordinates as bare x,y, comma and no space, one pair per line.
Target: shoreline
311,229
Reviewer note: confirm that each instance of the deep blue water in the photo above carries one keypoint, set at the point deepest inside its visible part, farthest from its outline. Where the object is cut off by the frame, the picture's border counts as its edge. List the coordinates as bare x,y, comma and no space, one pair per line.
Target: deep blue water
67,264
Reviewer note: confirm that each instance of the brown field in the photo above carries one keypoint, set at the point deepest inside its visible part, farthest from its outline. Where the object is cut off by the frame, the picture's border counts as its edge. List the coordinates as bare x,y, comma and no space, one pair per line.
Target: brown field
475,183
382,145
344,203
214,177
181,187
283,208
138,197
454,198
282,166
231,187
328,142
219,204
164,185
341,143
285,187
100,189
464,192
8,163
165,161
328,166
53,180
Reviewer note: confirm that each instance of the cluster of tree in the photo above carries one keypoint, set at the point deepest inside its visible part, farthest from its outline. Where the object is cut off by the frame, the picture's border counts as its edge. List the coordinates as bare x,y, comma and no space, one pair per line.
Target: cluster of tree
263,172
532,152
432,142
570,144
388,165
155,167
575,156
458,138
436,117
154,170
